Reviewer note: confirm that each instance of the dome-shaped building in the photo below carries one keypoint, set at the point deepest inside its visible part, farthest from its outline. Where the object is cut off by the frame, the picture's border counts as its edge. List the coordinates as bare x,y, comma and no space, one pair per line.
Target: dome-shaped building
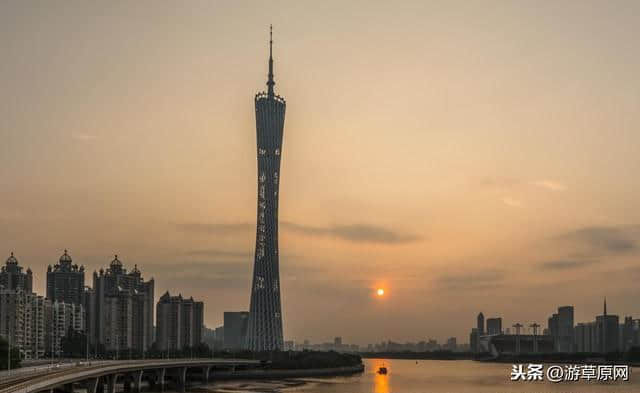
65,281
123,303
12,277
12,260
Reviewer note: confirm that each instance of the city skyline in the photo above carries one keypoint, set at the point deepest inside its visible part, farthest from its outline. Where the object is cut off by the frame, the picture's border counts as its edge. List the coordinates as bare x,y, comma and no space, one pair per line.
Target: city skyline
14,271
457,152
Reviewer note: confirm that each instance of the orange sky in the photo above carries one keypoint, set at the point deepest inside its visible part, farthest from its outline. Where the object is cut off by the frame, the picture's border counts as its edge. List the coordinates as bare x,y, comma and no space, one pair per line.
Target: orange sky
467,156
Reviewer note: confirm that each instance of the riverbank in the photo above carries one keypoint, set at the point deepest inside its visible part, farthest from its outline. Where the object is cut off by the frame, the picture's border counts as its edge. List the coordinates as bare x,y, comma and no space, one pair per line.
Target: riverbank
303,360
562,358
592,361
429,355
292,373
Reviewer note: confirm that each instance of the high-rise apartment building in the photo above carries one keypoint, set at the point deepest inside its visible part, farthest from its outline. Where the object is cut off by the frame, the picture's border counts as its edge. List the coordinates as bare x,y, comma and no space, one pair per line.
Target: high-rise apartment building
12,277
235,329
23,322
585,337
607,332
179,323
494,326
561,328
64,316
65,281
123,308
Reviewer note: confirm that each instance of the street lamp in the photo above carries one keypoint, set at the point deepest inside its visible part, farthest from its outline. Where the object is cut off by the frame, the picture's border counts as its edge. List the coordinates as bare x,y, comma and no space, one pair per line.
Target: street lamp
51,346
86,333
8,335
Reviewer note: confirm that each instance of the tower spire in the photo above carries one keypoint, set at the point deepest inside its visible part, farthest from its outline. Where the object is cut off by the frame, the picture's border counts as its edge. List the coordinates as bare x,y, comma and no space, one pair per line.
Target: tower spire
270,82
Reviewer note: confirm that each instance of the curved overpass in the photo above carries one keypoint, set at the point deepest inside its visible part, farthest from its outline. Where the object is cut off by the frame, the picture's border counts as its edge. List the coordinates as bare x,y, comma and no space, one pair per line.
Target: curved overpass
105,376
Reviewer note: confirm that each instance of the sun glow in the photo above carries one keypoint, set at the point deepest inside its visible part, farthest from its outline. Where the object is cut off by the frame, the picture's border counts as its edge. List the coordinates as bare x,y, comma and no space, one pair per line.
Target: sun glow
380,292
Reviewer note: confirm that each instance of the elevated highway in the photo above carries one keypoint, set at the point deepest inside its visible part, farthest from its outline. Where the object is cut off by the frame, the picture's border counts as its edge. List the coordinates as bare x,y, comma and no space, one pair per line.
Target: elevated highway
107,376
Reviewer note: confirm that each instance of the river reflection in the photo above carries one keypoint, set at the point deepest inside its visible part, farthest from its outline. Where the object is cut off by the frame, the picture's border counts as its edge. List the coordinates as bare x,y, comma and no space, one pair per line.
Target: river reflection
380,381
432,376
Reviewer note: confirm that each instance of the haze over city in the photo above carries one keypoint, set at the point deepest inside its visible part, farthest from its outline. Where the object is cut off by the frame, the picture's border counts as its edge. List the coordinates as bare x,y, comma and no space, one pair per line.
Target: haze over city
464,157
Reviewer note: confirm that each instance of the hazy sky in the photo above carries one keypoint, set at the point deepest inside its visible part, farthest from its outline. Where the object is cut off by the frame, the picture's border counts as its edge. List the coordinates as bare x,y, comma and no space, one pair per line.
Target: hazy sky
466,156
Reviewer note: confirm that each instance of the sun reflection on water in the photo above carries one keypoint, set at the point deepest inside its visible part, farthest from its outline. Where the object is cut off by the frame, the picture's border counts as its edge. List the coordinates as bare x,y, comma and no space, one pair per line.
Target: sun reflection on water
381,382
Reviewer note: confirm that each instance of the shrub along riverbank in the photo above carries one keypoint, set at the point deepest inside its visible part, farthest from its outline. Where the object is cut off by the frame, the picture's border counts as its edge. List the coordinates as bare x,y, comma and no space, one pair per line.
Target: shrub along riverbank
429,355
297,360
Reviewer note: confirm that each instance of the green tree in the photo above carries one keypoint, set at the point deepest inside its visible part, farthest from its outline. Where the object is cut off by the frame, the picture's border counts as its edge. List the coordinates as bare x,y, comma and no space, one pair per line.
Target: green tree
15,355
633,355
74,344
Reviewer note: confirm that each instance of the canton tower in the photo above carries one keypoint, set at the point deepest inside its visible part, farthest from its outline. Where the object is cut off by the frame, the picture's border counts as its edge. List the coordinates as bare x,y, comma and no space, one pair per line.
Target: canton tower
264,332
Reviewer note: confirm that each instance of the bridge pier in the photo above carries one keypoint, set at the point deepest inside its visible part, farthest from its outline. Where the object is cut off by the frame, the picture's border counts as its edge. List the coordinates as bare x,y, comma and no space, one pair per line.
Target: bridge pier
66,388
99,385
160,377
92,385
205,374
137,381
111,383
182,378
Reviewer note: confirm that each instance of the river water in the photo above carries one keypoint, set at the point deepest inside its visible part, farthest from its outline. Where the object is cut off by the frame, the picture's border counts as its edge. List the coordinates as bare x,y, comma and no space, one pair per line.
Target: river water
432,376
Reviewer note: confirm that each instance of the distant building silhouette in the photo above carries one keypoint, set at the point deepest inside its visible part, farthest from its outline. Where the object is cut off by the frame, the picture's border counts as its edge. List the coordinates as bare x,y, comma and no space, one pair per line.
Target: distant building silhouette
452,344
235,329
179,323
65,281
514,344
219,334
265,313
494,326
474,340
628,335
584,334
480,326
289,346
560,327
607,331
89,298
210,337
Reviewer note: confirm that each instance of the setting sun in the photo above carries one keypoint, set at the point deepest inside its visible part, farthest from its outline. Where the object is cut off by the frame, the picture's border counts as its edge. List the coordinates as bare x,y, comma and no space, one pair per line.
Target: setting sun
380,292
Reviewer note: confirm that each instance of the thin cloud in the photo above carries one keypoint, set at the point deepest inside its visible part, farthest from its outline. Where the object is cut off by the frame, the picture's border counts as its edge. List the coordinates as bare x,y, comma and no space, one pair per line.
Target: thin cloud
84,137
210,229
550,185
356,233
608,240
215,253
227,275
477,280
499,182
565,264
509,201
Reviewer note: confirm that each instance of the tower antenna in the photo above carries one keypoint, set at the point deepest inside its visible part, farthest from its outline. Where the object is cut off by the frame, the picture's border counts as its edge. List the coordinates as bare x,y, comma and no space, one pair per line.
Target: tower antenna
270,82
